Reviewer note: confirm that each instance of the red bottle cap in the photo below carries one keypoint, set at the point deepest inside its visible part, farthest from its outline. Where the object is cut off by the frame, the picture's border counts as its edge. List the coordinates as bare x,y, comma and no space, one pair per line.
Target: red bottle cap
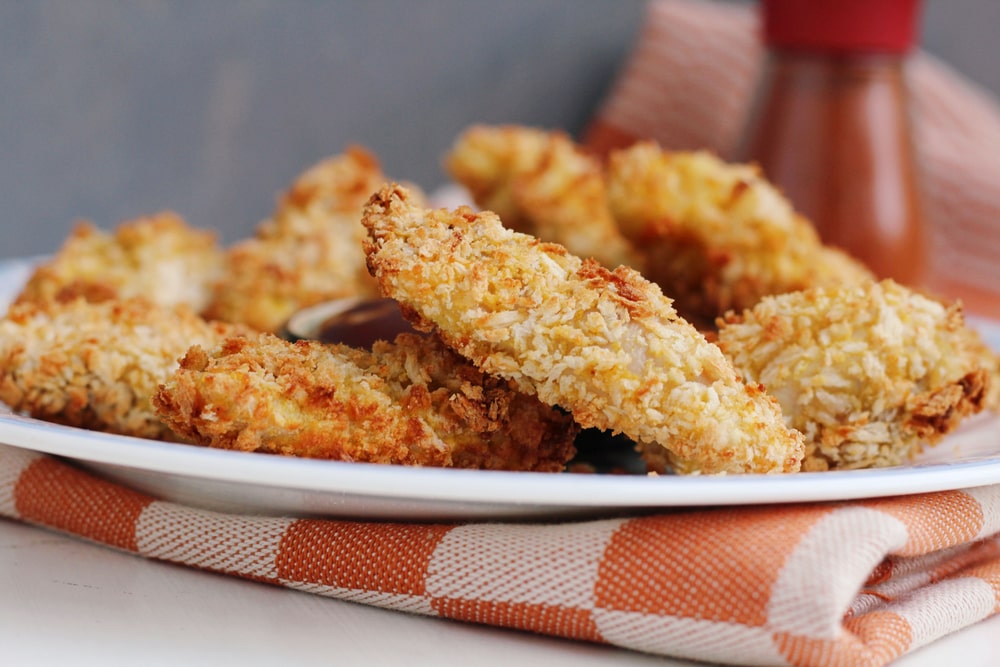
886,26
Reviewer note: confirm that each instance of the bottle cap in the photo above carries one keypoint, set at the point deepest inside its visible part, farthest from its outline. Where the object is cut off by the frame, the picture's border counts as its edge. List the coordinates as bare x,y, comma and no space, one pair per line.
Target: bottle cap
886,26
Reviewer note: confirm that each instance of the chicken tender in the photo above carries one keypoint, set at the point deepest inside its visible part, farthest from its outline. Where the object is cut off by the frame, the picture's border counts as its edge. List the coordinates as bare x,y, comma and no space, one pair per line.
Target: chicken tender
541,183
158,257
989,358
605,345
96,365
410,402
868,373
717,236
308,252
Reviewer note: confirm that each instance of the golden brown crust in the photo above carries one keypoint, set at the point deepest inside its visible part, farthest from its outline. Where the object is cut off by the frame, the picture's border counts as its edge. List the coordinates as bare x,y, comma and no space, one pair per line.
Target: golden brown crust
96,365
158,257
605,345
989,360
541,183
869,373
308,252
718,236
411,402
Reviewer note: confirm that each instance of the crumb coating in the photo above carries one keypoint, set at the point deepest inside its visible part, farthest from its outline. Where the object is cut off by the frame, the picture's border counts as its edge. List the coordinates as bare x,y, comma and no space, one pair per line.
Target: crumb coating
989,358
718,236
96,365
605,345
869,373
158,257
411,402
541,183
309,251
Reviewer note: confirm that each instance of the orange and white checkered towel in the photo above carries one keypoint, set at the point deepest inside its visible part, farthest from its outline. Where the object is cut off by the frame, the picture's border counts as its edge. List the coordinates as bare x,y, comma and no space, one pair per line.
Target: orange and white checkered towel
688,84
857,583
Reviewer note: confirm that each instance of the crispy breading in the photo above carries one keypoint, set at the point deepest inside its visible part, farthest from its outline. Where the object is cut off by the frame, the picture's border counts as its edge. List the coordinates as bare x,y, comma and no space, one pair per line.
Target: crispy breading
158,257
410,402
607,346
868,373
309,251
541,183
989,359
96,365
718,236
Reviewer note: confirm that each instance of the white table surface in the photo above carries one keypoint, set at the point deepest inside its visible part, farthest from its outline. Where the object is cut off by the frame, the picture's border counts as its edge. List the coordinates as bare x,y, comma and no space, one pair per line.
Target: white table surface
67,602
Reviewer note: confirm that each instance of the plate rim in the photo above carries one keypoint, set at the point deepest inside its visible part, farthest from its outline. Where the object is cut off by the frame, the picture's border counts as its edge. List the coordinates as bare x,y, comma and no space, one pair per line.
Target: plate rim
569,490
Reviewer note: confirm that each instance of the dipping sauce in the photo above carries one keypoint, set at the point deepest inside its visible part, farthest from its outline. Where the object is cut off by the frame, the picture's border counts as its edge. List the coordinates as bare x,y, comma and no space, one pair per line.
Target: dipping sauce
831,126
364,323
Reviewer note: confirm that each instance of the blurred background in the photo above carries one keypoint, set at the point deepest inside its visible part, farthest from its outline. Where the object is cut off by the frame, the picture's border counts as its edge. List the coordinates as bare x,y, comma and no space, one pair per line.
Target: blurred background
114,109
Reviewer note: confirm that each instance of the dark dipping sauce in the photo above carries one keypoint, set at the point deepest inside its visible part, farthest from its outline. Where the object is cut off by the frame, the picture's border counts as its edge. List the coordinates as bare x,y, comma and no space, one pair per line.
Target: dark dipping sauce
363,324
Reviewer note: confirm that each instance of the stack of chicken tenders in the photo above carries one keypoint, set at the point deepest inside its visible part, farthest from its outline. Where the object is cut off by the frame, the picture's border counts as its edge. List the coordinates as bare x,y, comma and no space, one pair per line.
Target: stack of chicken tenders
667,297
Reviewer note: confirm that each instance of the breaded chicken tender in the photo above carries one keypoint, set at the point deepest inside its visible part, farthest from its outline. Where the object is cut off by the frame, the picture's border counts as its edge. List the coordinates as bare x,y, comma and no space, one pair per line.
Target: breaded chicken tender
989,358
718,236
541,183
158,257
607,346
868,373
96,365
411,402
308,252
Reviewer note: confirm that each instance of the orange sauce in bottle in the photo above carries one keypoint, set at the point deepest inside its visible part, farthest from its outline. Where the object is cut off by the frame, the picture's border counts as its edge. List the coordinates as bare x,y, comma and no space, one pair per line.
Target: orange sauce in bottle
831,126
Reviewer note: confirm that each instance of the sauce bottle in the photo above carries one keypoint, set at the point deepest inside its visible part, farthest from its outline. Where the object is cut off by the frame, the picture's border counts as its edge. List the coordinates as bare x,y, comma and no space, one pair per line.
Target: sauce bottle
830,126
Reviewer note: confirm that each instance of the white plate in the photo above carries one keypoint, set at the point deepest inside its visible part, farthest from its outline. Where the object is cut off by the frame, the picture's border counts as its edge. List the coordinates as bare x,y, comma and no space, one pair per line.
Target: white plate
260,483
265,484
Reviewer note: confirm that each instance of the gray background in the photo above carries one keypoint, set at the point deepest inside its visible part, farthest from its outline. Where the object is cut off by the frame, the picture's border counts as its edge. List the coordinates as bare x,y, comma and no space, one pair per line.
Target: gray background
111,109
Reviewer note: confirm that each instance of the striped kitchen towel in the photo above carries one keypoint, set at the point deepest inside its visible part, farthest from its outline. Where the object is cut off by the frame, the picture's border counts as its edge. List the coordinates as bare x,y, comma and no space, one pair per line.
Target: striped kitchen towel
852,583
688,83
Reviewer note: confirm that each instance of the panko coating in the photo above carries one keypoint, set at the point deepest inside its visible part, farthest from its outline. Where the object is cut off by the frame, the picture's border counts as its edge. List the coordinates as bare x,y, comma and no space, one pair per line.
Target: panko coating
541,183
308,252
869,373
158,257
410,402
604,345
717,236
96,365
989,359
